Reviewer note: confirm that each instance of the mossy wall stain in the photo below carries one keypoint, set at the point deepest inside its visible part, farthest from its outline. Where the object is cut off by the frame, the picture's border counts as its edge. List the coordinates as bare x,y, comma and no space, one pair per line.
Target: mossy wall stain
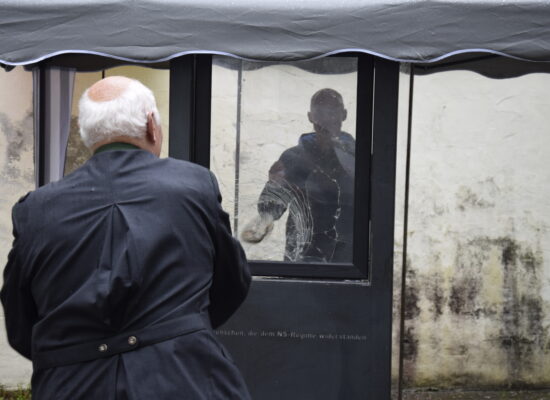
77,152
478,231
16,179
17,142
477,327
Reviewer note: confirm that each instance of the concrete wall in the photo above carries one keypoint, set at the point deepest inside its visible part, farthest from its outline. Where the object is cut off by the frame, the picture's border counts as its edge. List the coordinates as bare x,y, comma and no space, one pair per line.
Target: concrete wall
478,287
16,179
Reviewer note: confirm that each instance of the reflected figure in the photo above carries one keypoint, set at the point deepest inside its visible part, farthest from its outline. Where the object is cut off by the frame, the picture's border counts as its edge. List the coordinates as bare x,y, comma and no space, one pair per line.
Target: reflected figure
314,181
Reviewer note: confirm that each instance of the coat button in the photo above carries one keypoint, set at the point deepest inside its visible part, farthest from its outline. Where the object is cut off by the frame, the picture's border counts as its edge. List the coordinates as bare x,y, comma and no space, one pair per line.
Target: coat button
102,347
132,340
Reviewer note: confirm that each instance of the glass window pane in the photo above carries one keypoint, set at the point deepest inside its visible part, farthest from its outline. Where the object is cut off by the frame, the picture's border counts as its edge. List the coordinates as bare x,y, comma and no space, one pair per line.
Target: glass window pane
77,153
283,148
156,80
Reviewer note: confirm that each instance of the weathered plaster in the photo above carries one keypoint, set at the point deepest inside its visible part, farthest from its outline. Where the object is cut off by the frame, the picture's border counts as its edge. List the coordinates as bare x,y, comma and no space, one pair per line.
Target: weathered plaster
478,288
16,178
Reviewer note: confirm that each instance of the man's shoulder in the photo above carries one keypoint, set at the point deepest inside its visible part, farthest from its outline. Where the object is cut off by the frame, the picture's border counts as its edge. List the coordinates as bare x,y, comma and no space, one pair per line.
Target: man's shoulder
186,175
19,204
163,167
19,210
135,163
51,188
37,193
184,169
182,164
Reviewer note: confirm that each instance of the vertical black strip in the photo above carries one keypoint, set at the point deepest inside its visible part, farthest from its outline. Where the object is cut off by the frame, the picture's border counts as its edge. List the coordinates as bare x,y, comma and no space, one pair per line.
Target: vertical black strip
203,108
405,231
363,140
386,89
238,150
40,142
65,110
182,108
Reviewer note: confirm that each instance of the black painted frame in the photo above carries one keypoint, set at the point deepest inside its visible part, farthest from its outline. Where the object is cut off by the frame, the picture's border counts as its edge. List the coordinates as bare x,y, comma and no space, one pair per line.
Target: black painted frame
39,108
338,306
371,300
190,117
190,105
383,170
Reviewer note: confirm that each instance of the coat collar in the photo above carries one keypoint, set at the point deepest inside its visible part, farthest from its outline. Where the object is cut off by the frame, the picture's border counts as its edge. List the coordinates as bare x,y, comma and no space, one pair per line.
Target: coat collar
116,146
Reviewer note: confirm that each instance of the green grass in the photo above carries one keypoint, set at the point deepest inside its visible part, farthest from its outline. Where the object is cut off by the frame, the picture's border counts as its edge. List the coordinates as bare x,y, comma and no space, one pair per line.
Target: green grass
20,393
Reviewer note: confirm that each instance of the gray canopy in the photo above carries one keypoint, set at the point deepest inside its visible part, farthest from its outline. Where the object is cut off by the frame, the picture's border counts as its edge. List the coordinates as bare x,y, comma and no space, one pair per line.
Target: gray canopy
150,31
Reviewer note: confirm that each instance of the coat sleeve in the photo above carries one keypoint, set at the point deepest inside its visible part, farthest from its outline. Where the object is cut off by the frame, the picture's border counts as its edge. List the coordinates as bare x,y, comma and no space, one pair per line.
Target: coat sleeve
231,278
19,308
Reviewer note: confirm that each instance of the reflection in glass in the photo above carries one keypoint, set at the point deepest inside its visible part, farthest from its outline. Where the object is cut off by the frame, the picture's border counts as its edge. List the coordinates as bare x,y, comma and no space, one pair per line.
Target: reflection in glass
77,153
293,158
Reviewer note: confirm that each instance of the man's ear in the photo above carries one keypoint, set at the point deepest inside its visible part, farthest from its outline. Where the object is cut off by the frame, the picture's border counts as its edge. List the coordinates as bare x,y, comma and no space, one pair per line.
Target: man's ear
344,114
309,117
152,134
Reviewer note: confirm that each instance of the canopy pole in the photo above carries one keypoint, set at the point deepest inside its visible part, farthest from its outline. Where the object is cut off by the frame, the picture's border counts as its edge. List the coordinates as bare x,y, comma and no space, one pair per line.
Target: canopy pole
405,230
238,150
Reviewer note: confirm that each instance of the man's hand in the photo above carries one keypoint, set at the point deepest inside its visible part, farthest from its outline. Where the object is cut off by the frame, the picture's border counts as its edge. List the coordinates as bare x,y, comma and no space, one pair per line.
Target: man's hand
257,229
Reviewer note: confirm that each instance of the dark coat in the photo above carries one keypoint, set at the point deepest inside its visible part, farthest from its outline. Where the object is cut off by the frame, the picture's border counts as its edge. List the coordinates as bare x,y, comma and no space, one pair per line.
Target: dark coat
116,275
315,183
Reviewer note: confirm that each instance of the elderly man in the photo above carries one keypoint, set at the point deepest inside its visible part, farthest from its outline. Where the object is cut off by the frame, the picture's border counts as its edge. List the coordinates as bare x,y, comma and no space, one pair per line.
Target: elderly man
119,271
314,181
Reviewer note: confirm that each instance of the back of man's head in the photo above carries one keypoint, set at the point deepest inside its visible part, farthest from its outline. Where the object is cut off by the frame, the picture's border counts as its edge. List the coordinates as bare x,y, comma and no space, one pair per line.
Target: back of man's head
113,107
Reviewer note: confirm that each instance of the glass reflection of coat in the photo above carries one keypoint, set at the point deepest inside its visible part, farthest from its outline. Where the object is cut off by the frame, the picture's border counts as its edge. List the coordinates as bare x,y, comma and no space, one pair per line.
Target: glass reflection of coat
314,181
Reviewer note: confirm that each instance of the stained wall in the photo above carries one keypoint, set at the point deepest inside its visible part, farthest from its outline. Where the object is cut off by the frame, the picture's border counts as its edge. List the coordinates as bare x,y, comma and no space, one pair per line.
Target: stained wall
16,179
478,283
477,303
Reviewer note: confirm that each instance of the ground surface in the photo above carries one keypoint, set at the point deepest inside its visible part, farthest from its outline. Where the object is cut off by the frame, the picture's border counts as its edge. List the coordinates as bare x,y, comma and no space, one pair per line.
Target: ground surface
18,394
471,395
407,395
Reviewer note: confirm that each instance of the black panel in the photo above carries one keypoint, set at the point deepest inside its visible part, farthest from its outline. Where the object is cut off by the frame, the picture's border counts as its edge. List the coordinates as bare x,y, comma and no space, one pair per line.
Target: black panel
379,306
329,340
190,104
40,126
306,270
203,102
303,340
327,337
365,81
359,269
182,92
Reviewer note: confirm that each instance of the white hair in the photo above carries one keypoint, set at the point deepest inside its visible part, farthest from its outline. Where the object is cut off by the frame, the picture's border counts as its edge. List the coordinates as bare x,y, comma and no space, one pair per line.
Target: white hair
125,115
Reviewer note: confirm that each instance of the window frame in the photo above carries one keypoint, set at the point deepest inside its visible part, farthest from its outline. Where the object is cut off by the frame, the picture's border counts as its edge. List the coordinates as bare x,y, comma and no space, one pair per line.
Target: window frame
190,137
